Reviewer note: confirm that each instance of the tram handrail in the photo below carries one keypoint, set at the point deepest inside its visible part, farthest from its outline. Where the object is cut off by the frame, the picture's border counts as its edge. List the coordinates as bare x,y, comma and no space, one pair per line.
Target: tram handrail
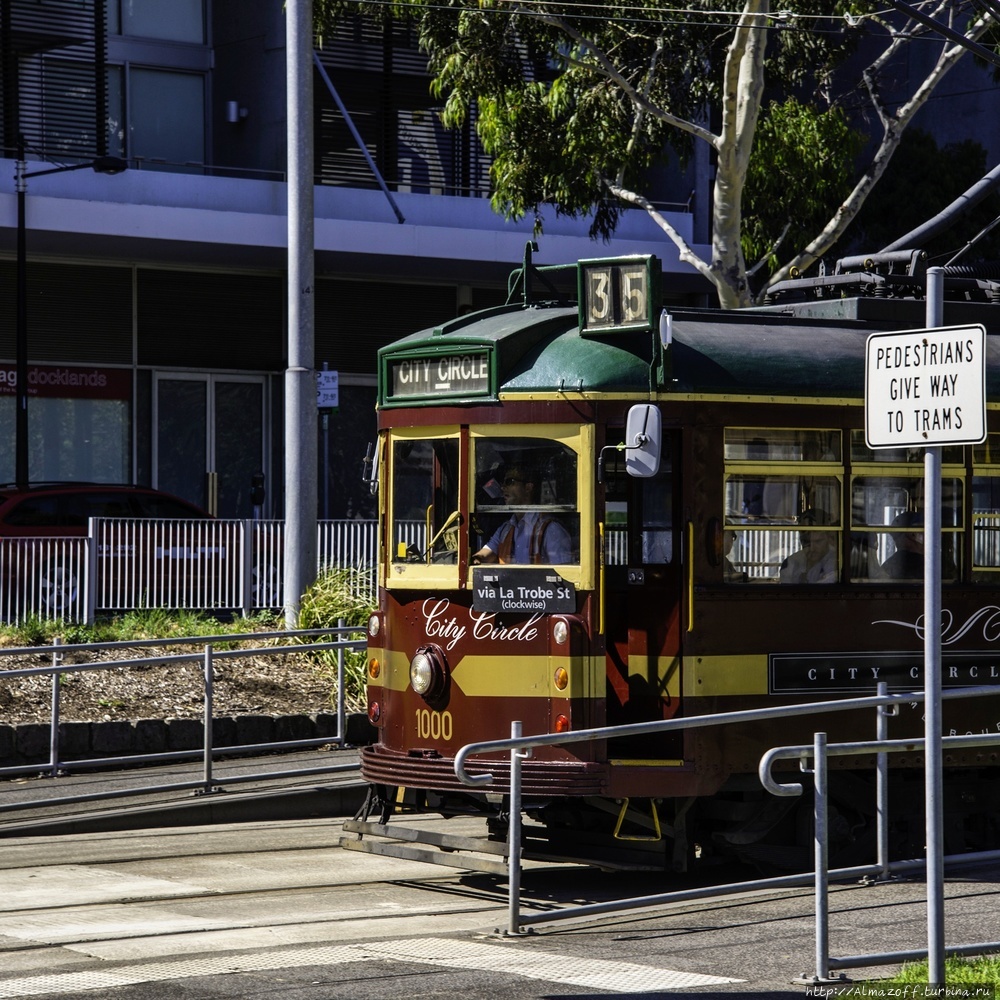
693,722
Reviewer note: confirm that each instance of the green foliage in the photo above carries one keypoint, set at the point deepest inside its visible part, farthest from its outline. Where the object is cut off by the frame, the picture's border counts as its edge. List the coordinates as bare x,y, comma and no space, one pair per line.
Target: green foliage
985,969
337,594
801,169
559,130
142,624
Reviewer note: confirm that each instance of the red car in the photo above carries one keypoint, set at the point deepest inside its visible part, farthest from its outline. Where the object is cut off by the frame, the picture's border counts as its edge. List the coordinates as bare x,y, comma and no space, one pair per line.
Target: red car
63,509
150,565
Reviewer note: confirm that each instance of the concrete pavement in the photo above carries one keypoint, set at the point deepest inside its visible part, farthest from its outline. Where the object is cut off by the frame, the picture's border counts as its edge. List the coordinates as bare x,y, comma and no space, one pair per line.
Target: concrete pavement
276,908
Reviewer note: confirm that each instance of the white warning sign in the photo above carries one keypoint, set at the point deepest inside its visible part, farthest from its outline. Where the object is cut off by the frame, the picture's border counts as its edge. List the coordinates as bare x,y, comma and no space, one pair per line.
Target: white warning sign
926,387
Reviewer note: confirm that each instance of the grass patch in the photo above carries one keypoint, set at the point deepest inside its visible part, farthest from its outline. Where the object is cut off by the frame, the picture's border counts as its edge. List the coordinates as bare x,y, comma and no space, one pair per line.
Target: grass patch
964,977
150,623
984,969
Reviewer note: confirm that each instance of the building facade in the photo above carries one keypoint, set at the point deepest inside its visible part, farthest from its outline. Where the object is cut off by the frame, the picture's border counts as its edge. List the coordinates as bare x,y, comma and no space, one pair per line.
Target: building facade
156,305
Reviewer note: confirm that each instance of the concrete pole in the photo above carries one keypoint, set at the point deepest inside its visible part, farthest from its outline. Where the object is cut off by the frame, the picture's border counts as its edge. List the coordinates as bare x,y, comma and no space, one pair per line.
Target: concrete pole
300,377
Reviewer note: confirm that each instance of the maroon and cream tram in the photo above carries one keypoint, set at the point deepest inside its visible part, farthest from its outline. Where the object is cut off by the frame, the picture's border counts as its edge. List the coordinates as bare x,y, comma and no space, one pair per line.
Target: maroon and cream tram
752,552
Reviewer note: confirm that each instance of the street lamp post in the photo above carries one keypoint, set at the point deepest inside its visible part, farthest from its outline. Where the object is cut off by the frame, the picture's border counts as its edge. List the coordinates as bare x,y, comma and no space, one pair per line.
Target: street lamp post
101,165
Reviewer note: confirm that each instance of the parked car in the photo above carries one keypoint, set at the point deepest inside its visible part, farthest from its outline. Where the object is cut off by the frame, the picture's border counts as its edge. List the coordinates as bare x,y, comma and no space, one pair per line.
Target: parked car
63,509
41,573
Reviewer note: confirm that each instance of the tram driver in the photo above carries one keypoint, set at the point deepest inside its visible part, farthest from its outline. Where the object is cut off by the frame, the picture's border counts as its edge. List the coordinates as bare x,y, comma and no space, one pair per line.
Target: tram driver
527,536
816,560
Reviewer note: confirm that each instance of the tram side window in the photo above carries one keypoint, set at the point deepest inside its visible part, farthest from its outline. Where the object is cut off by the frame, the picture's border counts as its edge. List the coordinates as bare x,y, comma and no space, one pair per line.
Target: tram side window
782,505
986,511
658,514
525,508
425,500
887,514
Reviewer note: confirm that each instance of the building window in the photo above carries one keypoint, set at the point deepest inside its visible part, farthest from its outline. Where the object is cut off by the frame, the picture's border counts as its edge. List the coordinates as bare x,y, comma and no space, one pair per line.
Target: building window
167,117
170,20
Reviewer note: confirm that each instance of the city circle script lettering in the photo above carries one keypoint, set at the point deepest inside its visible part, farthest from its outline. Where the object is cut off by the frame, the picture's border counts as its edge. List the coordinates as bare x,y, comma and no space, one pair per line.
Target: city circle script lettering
926,388
451,375
443,626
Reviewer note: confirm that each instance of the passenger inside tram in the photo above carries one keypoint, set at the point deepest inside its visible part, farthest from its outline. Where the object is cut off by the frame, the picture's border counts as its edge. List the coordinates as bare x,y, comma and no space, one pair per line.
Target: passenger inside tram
816,559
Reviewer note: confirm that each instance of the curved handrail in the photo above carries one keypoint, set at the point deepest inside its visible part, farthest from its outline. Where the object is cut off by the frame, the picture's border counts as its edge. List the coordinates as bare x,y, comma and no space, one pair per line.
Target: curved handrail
694,722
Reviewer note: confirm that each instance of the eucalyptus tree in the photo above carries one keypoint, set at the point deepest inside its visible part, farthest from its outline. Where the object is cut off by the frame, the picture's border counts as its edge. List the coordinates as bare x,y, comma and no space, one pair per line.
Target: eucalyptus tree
579,103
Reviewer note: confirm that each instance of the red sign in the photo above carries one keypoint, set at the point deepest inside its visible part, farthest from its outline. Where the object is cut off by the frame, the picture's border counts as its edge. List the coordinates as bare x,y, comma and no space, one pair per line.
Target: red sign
65,382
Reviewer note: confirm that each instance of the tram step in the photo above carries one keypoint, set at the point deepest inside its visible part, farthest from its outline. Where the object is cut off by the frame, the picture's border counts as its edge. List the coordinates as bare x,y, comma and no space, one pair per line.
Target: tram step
424,845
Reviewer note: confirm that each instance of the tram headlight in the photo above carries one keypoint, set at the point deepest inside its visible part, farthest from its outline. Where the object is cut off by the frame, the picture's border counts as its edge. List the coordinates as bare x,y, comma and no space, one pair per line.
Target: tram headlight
429,672
421,673
374,626
560,631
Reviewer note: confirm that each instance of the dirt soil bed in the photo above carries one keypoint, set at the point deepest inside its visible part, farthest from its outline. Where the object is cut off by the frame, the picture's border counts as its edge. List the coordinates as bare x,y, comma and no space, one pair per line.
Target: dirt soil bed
286,684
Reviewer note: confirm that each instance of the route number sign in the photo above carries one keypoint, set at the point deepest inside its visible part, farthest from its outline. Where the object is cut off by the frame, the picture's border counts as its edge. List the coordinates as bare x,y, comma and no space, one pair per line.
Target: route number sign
619,294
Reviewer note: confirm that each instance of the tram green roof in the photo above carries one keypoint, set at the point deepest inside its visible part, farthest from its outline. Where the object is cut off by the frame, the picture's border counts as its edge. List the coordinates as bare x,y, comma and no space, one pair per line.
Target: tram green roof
765,351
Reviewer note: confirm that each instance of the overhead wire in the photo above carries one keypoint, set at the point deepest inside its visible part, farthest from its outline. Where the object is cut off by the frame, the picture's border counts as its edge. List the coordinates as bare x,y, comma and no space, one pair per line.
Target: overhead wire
784,19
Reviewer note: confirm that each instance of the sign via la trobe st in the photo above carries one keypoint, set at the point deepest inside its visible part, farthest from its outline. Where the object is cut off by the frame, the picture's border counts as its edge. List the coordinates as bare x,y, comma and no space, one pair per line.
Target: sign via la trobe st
925,388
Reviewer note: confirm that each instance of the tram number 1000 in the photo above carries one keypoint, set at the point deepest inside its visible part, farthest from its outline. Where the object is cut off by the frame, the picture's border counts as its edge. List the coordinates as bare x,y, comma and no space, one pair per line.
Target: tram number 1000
616,295
433,725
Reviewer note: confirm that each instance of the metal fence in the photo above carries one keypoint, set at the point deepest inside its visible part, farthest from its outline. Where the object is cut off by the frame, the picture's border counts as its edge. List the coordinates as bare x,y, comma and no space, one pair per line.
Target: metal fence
506,778
124,564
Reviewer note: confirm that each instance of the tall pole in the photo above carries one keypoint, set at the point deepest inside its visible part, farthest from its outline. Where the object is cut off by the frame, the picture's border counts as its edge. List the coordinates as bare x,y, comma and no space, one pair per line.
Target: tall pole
300,377
933,782
21,338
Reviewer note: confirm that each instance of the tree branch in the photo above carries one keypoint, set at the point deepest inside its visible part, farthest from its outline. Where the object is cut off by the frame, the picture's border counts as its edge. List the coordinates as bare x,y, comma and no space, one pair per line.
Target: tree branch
894,127
603,66
687,255
640,114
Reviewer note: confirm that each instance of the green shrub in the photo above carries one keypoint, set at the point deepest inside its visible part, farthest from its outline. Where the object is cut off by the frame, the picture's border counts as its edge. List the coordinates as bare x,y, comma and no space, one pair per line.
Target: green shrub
338,594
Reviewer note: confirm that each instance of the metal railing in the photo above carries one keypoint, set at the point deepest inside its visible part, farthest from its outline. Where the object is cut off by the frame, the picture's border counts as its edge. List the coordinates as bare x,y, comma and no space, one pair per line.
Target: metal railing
819,752
345,638
520,747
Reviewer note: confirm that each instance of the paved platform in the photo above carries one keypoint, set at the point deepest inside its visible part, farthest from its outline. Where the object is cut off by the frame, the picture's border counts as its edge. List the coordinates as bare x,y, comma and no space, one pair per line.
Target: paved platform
276,908
140,798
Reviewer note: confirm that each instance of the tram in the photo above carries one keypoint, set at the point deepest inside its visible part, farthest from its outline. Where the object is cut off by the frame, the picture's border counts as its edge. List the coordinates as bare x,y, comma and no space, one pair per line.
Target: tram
598,510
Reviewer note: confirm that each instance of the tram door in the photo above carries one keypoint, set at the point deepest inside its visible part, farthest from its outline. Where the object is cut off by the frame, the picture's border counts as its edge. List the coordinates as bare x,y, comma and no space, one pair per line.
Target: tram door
642,600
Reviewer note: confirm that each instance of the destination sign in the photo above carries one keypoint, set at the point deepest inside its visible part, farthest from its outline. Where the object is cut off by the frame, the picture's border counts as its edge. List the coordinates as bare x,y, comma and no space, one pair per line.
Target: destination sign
509,589
440,375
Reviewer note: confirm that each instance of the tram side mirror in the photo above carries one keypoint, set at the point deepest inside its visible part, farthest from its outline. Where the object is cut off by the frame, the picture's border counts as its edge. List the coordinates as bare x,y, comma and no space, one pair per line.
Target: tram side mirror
370,468
643,439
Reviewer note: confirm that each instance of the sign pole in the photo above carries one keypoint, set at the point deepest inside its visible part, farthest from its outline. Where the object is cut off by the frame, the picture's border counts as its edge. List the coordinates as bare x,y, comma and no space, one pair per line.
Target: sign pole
933,783
927,389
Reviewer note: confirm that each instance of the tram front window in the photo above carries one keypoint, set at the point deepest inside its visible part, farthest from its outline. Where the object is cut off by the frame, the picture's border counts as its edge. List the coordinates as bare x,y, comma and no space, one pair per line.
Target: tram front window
425,516
525,507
